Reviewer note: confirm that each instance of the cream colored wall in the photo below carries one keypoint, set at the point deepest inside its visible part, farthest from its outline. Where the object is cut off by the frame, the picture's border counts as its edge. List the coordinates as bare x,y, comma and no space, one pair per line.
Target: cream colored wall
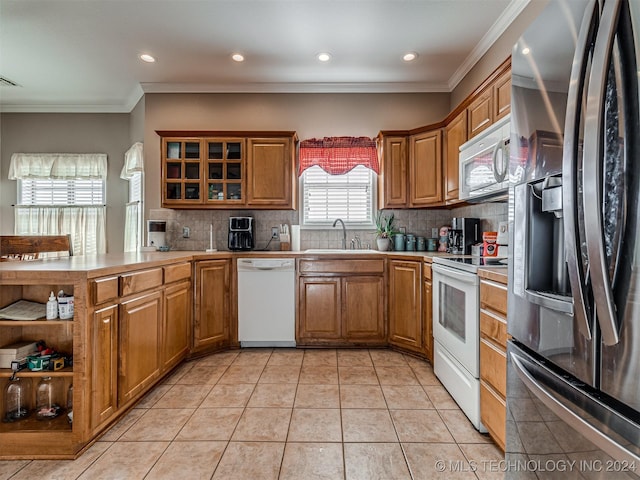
310,115
67,133
498,52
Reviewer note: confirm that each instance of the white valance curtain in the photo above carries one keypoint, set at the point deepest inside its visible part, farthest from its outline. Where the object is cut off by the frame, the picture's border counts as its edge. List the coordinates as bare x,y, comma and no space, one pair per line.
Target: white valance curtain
133,161
132,171
61,166
85,224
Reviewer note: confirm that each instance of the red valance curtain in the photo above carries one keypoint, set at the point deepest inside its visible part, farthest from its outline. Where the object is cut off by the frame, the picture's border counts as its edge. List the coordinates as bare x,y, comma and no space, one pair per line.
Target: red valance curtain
338,155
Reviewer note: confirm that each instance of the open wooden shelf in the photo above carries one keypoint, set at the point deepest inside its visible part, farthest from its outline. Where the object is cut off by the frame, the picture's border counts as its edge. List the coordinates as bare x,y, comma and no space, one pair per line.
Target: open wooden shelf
65,372
26,323
32,424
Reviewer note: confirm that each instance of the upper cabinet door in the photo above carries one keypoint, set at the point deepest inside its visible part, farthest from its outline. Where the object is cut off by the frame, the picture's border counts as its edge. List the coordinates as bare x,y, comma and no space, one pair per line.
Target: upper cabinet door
271,175
502,96
455,134
224,171
181,171
392,180
425,165
479,112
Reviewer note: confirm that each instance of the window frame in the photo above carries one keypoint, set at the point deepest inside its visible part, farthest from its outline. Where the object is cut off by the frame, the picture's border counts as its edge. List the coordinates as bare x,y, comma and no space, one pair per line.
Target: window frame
304,224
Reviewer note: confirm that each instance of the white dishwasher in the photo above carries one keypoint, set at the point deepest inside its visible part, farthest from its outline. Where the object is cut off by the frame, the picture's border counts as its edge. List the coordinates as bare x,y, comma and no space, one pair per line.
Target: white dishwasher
266,302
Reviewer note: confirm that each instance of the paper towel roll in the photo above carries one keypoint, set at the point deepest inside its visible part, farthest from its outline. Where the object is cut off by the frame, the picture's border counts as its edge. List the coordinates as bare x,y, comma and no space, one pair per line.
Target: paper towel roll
295,238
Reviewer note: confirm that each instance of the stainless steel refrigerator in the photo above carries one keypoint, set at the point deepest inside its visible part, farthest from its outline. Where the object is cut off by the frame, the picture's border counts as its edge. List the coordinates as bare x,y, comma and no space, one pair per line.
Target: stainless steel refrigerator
573,374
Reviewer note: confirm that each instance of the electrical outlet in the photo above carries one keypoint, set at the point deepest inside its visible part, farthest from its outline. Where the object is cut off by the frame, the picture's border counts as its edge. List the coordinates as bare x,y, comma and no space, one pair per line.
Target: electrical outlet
274,232
186,232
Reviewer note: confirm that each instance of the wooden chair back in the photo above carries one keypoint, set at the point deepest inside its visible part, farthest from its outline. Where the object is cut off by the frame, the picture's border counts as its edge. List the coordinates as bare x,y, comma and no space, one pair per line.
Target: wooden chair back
29,247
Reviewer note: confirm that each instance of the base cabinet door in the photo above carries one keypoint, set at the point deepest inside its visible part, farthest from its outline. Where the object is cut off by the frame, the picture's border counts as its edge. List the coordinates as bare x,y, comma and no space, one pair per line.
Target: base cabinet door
104,369
405,304
176,324
320,309
363,309
140,345
212,313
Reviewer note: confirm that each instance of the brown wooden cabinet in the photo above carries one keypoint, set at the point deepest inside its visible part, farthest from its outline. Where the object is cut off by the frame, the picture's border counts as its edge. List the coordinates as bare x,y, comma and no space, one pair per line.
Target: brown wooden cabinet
320,309
363,308
480,112
176,330
502,95
104,365
455,134
212,315
140,337
405,304
493,357
425,168
270,162
341,302
228,169
427,313
392,181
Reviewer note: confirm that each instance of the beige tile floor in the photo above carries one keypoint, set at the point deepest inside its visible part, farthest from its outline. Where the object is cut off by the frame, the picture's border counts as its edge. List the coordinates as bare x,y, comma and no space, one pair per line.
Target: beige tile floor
286,414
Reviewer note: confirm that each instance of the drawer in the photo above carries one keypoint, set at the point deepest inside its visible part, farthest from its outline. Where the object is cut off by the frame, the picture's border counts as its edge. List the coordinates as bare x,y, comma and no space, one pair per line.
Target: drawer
493,413
173,273
426,271
104,289
494,327
493,296
140,281
341,266
493,366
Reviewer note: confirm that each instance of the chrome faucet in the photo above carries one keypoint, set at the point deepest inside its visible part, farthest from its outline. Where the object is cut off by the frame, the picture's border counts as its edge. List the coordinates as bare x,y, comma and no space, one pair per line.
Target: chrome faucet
344,233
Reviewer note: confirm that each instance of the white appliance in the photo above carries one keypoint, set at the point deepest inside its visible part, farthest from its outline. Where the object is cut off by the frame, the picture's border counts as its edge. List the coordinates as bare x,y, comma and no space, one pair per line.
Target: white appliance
456,330
156,233
266,302
484,162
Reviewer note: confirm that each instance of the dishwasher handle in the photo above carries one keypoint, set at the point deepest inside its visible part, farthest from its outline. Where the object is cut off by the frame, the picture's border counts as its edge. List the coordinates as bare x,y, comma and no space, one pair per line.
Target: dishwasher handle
265,264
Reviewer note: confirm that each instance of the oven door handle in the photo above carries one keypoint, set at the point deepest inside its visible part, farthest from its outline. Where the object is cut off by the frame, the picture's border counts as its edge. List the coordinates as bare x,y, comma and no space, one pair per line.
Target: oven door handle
470,278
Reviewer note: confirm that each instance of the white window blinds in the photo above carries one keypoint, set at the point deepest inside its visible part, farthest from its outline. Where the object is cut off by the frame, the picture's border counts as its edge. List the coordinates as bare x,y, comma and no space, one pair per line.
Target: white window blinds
61,192
349,196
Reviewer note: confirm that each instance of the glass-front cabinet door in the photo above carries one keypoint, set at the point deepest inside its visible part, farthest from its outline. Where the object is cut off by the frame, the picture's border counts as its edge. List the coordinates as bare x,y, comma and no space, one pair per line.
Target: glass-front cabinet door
224,170
182,176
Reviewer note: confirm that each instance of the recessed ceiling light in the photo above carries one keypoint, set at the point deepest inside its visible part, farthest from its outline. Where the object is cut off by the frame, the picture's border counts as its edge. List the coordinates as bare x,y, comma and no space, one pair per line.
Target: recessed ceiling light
410,56
526,51
147,58
238,57
324,57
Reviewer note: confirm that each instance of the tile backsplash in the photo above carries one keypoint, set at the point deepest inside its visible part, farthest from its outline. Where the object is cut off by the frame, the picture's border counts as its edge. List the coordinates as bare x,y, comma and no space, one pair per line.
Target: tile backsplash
417,221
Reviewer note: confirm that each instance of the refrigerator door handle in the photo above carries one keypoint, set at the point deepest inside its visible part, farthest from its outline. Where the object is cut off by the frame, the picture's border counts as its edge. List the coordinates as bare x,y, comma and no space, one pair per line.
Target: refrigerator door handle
569,169
597,437
593,153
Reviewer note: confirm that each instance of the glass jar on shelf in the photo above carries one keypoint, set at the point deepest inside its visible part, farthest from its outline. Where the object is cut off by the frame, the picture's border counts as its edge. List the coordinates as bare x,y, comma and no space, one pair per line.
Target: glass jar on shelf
47,395
17,399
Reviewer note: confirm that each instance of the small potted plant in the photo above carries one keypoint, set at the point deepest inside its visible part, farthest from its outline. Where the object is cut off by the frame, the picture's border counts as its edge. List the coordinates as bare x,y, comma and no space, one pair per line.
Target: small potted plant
384,230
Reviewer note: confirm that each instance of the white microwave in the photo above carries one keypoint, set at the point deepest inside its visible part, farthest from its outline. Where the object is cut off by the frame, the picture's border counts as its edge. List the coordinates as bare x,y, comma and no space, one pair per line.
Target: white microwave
484,162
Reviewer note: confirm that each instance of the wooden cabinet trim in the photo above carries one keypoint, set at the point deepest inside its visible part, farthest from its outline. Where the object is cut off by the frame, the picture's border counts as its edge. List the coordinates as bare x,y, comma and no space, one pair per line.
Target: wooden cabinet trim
493,413
493,366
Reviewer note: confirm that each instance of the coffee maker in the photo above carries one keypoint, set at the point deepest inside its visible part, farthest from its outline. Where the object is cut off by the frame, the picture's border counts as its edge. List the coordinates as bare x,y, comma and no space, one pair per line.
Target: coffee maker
464,232
241,233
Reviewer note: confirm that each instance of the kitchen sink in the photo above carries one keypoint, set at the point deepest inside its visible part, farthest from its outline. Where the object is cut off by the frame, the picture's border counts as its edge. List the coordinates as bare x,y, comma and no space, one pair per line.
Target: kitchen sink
339,251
